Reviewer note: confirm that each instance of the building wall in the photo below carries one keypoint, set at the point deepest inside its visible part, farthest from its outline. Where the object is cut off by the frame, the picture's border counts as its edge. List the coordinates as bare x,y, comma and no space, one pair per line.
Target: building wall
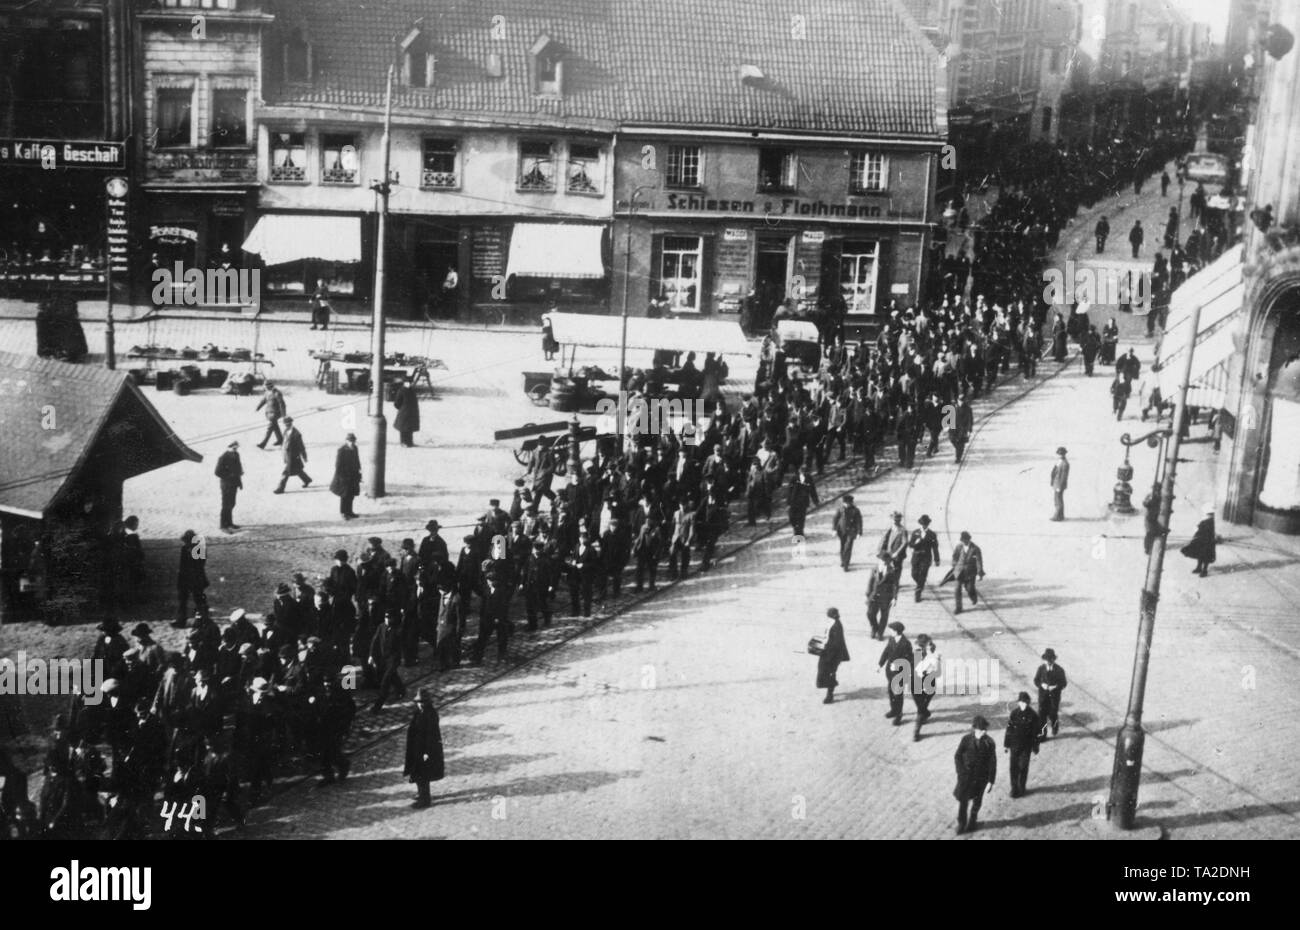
743,229
1272,274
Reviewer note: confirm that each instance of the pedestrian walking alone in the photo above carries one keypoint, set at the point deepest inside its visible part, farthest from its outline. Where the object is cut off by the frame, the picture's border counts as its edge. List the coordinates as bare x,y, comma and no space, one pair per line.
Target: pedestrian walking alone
1120,389
882,592
1102,232
967,565
295,457
976,760
848,527
346,483
834,651
230,476
407,421
273,402
925,553
1021,741
1202,546
1050,681
424,757
1135,237
1060,481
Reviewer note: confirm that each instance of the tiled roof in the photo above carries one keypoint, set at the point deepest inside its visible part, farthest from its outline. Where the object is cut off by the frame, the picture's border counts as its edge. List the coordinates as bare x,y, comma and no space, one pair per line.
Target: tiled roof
862,66
353,43
51,414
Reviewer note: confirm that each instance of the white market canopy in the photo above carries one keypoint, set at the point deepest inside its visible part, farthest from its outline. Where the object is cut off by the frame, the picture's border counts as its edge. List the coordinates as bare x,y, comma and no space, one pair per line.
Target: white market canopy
597,331
1220,290
555,250
290,237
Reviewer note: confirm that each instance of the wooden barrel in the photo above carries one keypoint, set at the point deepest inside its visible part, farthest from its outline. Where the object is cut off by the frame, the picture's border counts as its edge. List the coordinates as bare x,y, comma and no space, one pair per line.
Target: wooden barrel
181,387
565,395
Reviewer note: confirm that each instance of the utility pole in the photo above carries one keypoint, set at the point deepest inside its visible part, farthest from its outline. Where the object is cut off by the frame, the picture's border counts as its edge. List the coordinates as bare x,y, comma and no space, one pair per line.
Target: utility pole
1126,776
622,350
379,425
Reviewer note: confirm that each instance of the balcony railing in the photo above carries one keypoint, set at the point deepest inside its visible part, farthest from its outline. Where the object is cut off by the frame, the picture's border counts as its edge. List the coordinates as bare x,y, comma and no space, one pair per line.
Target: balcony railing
430,179
284,173
339,176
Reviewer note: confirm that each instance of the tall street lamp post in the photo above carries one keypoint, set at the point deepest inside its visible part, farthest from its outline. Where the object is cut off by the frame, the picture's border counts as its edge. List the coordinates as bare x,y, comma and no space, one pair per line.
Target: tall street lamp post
378,425
1126,775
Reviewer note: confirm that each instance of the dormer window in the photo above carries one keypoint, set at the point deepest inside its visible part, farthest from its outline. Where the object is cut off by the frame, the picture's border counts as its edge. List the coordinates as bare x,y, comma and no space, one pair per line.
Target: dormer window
547,67
297,59
417,59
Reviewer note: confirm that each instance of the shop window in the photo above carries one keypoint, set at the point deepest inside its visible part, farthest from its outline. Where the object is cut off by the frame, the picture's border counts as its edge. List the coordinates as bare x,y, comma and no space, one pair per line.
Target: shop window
229,118
683,169
536,166
339,162
586,169
778,170
303,277
680,273
858,262
173,118
868,172
439,164
288,157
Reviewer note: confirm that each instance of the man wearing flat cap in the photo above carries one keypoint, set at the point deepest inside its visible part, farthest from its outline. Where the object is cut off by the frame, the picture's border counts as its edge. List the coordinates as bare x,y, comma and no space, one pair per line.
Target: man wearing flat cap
230,476
346,483
893,545
976,760
967,565
1060,481
1021,741
896,660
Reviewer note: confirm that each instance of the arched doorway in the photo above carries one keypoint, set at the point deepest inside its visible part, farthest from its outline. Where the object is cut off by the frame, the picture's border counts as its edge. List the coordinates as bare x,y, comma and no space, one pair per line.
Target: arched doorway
1277,488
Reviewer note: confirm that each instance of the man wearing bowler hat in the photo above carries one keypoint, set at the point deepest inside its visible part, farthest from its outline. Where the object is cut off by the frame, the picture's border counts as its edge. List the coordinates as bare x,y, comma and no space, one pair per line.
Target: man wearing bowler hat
925,553
967,565
346,483
230,475
1021,741
896,660
1060,481
976,760
1050,682
433,548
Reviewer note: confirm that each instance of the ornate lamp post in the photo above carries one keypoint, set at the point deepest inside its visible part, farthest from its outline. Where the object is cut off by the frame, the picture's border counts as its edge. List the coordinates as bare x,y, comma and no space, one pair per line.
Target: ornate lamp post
1123,499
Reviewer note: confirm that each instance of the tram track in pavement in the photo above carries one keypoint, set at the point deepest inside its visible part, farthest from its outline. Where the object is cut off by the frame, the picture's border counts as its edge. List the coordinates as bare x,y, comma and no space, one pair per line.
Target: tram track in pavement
837,473
1117,714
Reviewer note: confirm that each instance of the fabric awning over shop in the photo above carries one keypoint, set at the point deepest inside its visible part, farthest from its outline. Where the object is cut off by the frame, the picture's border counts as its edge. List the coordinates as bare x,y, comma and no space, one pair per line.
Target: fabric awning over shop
582,329
288,237
555,250
1220,290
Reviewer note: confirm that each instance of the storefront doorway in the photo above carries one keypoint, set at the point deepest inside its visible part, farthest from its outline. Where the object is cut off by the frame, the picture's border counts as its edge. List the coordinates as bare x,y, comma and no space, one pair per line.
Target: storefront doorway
437,260
771,277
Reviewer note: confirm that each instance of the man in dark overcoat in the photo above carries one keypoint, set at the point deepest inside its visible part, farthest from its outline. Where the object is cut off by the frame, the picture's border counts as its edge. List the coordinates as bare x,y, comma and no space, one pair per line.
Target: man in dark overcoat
424,760
976,760
1021,741
346,483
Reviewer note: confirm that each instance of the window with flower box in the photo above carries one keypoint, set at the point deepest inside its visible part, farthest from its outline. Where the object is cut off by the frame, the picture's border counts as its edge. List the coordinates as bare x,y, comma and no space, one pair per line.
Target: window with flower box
288,157
339,161
439,169
536,166
586,169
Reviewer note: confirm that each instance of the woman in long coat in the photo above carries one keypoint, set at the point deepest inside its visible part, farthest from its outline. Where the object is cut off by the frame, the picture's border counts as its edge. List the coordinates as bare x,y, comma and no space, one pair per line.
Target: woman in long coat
1109,341
1059,334
424,762
834,652
407,421
1201,548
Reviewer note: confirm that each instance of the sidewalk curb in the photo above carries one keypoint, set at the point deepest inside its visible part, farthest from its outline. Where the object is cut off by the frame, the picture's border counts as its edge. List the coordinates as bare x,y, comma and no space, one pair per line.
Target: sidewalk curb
1098,829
